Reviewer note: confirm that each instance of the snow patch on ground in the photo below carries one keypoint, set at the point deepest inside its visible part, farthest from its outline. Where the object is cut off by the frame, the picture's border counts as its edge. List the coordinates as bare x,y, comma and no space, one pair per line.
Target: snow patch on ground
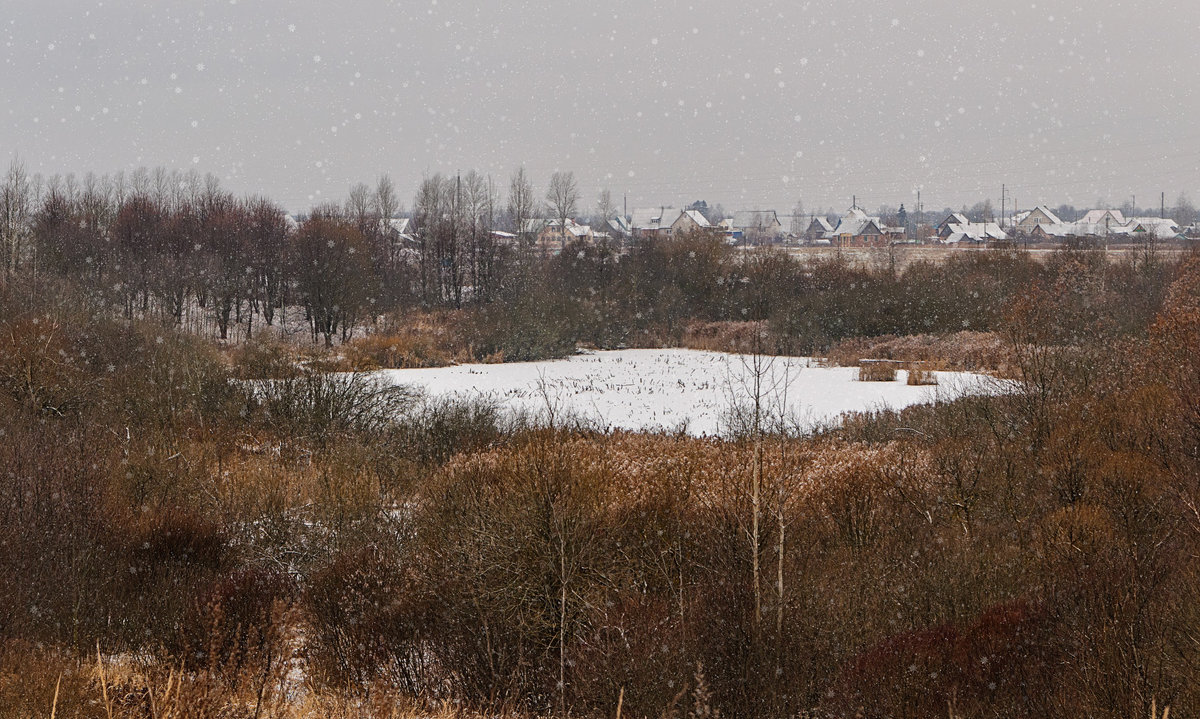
673,389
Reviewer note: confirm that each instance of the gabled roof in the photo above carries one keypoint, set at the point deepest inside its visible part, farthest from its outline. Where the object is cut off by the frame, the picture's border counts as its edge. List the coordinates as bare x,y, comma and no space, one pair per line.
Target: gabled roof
653,218
754,219
1046,212
399,225
976,231
856,223
821,224
1160,227
619,224
698,218
955,218
1097,217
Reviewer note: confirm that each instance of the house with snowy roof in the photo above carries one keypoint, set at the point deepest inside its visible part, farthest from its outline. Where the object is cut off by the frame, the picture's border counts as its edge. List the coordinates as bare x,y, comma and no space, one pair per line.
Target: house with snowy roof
690,221
818,229
858,229
619,226
954,218
546,232
973,232
1158,228
757,224
652,221
1040,215
1107,218
666,222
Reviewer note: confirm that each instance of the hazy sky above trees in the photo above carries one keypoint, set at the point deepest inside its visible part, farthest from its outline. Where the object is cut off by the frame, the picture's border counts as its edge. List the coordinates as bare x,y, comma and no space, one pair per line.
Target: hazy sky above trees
750,104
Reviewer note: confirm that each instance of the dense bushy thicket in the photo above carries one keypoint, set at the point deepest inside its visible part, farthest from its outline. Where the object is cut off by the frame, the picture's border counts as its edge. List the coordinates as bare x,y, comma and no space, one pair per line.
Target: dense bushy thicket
1023,554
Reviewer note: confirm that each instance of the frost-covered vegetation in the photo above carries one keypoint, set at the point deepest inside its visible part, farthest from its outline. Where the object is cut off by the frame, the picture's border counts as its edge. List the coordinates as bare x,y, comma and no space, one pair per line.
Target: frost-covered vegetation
197,528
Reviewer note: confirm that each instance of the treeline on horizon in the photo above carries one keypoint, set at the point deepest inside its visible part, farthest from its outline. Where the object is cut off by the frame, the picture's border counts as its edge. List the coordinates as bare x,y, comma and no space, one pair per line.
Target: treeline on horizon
193,256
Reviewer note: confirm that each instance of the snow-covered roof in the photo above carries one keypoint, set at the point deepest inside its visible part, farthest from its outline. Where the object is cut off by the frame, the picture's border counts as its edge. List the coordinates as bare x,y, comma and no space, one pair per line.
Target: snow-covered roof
1045,211
399,225
856,222
821,223
1161,227
1097,217
754,219
620,225
698,218
652,218
976,231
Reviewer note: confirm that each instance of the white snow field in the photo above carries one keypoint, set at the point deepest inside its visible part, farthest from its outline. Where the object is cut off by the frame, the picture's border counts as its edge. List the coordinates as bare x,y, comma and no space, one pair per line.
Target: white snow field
679,389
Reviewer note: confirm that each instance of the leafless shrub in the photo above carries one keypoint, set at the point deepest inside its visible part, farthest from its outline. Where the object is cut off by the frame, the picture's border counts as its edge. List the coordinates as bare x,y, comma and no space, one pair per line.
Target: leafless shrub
921,374
320,405
876,371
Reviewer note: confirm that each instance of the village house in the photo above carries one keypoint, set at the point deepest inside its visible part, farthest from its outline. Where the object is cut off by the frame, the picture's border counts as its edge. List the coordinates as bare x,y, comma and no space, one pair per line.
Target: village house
954,218
757,225
1104,218
818,231
664,222
647,223
619,227
857,229
1040,215
976,232
1158,228
690,221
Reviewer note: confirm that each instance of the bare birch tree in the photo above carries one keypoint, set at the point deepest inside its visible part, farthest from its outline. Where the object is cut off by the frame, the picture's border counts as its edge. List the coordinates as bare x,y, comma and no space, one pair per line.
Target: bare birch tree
563,198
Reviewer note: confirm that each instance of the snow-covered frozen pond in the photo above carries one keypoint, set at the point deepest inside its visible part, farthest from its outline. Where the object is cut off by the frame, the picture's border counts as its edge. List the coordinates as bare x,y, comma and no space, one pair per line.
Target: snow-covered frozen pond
677,388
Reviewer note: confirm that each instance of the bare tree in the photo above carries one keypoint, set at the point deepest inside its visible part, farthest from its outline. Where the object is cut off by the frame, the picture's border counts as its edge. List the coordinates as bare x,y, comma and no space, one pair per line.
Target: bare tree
385,202
798,223
439,231
605,210
1184,212
360,208
333,276
563,198
520,199
16,210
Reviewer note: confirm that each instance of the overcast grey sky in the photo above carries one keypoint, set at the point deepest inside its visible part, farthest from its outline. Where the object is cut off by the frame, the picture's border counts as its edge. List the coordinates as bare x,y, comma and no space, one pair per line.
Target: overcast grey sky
750,104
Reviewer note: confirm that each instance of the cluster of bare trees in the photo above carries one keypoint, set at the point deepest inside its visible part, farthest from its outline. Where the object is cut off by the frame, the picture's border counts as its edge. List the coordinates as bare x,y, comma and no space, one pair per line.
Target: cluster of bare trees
458,254
179,249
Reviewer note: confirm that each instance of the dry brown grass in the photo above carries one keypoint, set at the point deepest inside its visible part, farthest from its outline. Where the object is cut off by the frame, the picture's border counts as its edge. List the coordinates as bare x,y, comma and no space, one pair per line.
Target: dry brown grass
432,339
39,682
921,373
740,337
877,371
968,351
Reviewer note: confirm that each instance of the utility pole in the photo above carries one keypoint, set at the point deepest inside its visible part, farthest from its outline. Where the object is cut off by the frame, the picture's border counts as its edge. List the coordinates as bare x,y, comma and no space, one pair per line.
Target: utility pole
1003,189
625,242
1162,206
919,217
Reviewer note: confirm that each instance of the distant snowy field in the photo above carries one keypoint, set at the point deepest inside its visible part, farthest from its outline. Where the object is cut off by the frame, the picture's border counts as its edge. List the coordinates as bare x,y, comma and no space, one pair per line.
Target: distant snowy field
677,389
